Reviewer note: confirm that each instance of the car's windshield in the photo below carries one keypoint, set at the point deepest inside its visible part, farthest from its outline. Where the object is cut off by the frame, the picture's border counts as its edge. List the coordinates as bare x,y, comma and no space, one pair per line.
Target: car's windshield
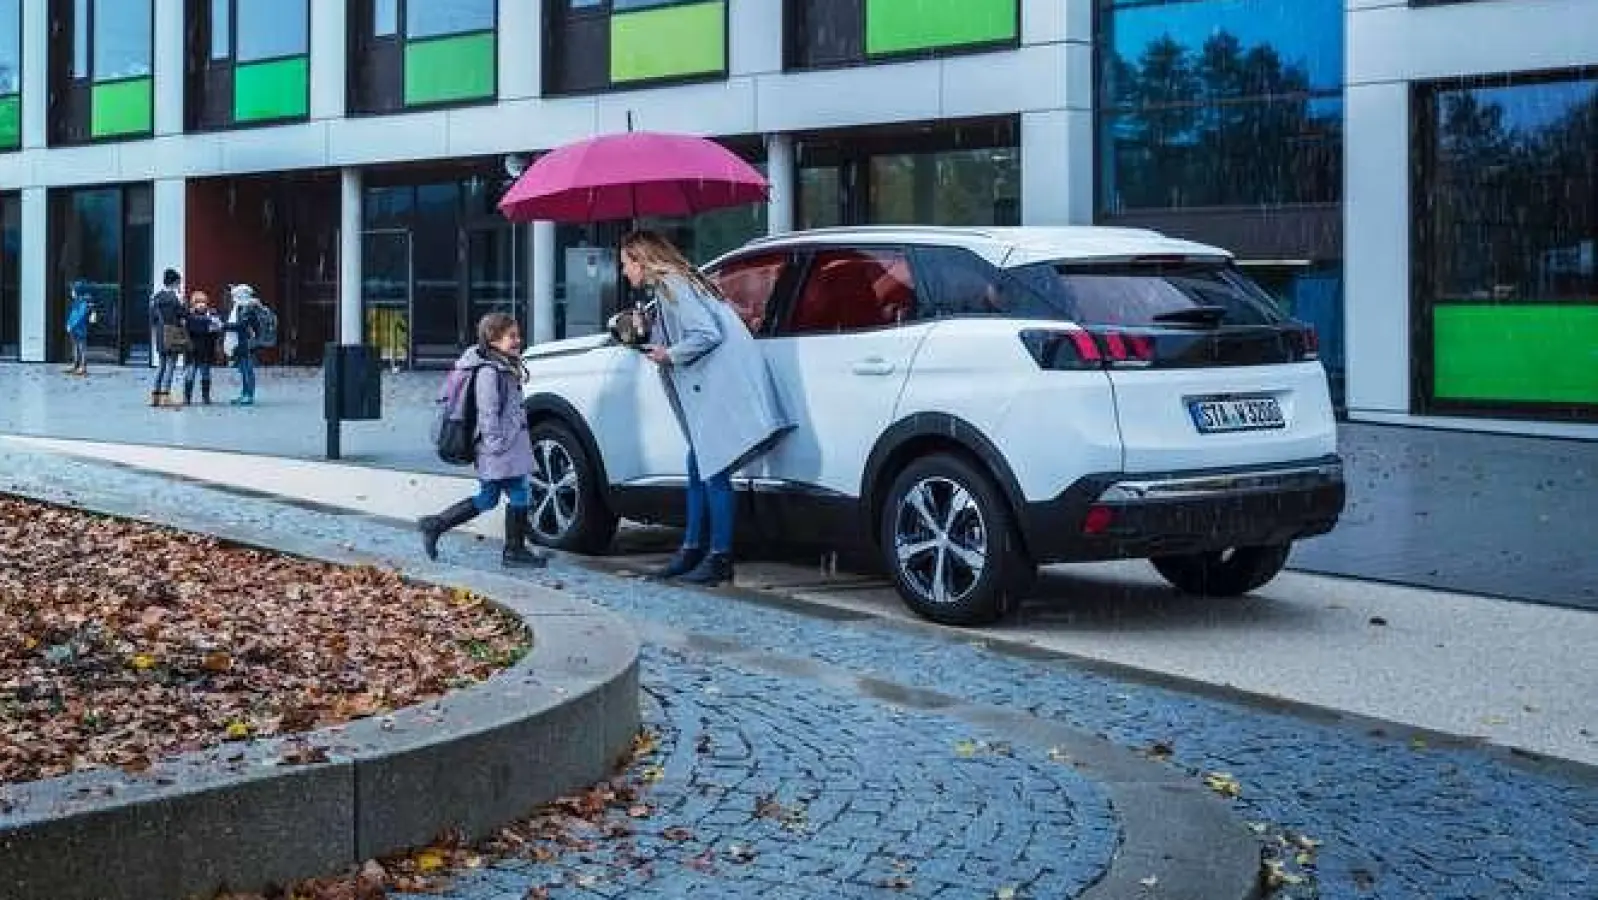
1144,294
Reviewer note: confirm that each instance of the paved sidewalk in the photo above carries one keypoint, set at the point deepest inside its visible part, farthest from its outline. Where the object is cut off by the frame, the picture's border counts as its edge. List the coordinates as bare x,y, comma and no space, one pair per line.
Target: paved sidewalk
1477,513
1398,815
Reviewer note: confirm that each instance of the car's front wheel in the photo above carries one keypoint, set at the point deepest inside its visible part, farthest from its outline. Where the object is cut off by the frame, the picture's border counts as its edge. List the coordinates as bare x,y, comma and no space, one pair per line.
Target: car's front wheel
567,511
1223,573
948,538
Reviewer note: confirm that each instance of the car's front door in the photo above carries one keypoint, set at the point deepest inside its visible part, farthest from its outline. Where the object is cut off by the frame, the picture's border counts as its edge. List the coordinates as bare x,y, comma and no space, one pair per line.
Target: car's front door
841,353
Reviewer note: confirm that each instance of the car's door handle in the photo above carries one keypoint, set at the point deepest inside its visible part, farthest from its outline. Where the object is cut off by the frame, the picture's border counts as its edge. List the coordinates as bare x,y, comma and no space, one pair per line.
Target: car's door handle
873,365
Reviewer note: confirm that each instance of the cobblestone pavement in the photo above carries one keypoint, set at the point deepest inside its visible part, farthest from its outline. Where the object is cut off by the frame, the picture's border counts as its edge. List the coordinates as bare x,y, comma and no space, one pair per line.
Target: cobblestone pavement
1477,513
1399,815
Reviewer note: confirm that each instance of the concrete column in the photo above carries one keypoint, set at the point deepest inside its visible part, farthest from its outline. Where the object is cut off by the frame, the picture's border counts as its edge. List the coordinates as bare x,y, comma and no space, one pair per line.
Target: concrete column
170,238
170,53
1376,233
782,172
1057,167
521,46
35,72
349,258
543,280
329,57
36,282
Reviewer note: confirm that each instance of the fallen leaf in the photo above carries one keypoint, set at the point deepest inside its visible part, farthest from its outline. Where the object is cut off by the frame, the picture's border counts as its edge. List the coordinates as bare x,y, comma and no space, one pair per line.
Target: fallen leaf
898,882
1150,881
142,661
238,731
965,749
677,834
1007,892
1223,783
428,861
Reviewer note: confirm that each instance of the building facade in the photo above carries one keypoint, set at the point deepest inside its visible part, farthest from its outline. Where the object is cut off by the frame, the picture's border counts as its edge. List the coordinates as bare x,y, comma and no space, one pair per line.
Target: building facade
1425,198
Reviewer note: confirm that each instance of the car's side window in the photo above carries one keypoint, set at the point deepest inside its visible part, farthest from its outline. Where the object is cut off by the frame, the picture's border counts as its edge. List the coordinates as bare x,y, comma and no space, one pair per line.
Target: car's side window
855,289
960,283
749,284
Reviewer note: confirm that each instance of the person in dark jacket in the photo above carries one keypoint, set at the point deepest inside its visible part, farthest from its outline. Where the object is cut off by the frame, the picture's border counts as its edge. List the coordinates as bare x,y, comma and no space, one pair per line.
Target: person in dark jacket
504,449
205,332
166,308
79,317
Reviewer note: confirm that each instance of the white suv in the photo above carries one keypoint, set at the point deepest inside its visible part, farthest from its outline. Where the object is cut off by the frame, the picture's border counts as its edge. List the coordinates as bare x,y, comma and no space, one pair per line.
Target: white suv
973,403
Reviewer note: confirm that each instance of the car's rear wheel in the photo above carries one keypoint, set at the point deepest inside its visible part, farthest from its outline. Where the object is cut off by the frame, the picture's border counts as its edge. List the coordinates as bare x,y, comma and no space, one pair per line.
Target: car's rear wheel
567,510
948,539
1223,573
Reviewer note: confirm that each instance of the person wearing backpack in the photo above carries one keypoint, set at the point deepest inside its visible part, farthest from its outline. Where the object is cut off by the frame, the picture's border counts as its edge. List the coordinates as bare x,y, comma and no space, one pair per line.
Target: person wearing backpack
79,317
485,388
244,336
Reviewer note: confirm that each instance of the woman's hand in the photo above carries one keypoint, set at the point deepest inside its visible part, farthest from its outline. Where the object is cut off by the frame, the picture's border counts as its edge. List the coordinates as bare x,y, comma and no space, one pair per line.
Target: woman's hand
657,355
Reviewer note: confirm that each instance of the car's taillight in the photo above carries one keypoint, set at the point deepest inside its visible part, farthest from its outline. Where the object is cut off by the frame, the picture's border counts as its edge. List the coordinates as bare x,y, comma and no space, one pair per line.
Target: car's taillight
1306,342
1080,348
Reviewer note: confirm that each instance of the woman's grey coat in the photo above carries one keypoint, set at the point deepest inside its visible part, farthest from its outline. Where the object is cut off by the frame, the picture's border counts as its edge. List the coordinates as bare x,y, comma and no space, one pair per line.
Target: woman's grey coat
718,382
503,448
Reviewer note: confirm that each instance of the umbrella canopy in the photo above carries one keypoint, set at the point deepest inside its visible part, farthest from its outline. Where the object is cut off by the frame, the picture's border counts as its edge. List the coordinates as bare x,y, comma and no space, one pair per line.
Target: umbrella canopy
627,176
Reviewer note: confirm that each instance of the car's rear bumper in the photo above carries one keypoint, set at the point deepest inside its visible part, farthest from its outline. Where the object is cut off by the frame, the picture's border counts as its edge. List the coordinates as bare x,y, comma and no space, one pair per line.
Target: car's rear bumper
1116,515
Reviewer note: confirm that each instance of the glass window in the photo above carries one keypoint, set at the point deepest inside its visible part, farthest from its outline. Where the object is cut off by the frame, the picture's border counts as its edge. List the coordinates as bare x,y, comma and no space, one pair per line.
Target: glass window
10,46
957,282
1144,294
121,39
748,284
440,17
80,39
385,18
854,289
221,29
272,29
956,187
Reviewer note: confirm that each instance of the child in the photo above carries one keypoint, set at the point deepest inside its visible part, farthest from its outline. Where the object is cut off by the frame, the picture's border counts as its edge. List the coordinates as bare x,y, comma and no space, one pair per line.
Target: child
205,329
79,317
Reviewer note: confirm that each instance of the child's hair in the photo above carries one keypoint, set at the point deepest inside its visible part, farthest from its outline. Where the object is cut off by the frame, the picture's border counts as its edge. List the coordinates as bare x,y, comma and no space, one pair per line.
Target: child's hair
198,297
494,326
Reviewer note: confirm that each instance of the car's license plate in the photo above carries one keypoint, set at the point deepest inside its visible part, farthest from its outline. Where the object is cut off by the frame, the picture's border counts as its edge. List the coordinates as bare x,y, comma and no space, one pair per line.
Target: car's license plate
1236,414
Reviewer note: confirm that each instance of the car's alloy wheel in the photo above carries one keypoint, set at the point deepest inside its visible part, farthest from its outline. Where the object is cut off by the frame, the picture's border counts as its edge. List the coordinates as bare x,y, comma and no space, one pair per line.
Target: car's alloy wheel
567,511
1223,573
947,538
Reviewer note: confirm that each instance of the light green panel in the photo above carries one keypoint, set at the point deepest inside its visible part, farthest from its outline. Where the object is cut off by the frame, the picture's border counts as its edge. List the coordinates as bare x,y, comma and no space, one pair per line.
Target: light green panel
10,122
669,42
899,26
1543,353
448,70
266,91
121,107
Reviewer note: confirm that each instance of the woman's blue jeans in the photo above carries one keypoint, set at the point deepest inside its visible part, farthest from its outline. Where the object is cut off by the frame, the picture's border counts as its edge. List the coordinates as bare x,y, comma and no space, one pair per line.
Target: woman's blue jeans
165,370
516,490
246,363
710,498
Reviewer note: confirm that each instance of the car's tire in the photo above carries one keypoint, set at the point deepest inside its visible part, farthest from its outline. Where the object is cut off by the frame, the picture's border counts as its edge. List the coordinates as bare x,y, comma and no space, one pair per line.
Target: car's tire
1223,573
568,512
953,553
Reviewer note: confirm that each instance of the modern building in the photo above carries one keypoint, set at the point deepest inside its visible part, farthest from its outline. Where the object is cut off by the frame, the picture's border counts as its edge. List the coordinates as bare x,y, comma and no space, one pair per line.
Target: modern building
1421,192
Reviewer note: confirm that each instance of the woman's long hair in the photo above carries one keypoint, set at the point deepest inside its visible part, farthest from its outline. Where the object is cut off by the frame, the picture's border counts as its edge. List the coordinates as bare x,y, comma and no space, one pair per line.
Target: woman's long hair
660,259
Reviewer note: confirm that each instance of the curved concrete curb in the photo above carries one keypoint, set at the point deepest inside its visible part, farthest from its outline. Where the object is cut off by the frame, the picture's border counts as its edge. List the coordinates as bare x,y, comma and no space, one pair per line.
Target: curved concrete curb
239,816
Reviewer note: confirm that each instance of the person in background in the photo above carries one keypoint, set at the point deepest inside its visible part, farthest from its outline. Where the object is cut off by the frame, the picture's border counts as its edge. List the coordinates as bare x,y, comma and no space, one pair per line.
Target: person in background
79,316
242,331
167,315
504,448
204,330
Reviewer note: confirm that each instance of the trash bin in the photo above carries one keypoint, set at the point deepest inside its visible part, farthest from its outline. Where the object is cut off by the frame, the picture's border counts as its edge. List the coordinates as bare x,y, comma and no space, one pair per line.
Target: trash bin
352,383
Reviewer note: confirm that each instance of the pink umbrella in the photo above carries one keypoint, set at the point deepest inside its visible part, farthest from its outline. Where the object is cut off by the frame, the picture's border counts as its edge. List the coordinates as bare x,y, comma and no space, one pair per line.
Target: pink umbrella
626,176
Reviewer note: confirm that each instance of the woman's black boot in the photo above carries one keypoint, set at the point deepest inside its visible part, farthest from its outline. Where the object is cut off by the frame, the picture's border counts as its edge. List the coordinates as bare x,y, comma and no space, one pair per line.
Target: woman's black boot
714,569
516,551
433,527
685,560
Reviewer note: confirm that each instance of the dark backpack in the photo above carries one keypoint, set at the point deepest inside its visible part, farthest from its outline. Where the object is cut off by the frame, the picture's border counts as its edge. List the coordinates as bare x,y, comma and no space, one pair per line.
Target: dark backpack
455,424
265,328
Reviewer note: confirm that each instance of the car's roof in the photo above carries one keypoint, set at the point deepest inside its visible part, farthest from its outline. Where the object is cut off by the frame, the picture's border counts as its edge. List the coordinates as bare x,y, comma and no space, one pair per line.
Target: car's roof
1004,246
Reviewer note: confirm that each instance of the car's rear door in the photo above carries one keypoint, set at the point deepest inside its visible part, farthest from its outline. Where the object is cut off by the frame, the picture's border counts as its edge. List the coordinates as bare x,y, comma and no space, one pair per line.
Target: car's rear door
1207,372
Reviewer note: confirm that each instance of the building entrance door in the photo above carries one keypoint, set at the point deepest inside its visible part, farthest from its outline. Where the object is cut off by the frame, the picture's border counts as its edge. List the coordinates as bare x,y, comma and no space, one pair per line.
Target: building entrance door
386,302
496,271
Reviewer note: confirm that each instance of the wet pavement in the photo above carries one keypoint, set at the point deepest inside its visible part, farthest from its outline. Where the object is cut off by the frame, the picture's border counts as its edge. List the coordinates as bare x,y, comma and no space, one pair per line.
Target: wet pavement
1390,813
1485,514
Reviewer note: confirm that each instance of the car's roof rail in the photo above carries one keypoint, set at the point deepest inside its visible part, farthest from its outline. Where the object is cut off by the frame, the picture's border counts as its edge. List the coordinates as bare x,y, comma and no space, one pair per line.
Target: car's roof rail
876,230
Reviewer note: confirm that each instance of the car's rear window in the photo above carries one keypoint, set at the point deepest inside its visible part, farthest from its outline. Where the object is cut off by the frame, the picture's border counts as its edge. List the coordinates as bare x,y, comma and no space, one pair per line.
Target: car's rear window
1144,294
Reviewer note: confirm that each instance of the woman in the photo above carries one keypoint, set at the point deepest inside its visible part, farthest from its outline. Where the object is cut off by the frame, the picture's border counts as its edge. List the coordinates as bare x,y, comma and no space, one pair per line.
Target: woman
243,329
718,385
169,334
495,374
204,329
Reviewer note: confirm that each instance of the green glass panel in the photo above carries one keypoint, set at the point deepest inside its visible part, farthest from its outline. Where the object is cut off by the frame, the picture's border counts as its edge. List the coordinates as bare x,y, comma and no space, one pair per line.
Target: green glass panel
669,42
445,70
1542,353
898,26
121,107
271,90
10,122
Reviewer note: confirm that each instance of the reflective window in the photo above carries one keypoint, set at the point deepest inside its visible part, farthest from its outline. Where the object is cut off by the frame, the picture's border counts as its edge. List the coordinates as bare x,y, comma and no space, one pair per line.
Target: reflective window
121,39
748,285
440,17
272,29
221,29
848,290
957,282
955,187
385,18
1220,103
80,39
10,46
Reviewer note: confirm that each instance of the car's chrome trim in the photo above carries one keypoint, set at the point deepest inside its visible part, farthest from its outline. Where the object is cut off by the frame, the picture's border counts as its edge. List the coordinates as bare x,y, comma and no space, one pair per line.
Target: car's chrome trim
1134,490
758,485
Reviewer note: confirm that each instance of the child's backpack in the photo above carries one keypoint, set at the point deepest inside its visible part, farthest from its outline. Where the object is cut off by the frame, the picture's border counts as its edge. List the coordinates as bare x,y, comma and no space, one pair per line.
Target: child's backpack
265,327
455,422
